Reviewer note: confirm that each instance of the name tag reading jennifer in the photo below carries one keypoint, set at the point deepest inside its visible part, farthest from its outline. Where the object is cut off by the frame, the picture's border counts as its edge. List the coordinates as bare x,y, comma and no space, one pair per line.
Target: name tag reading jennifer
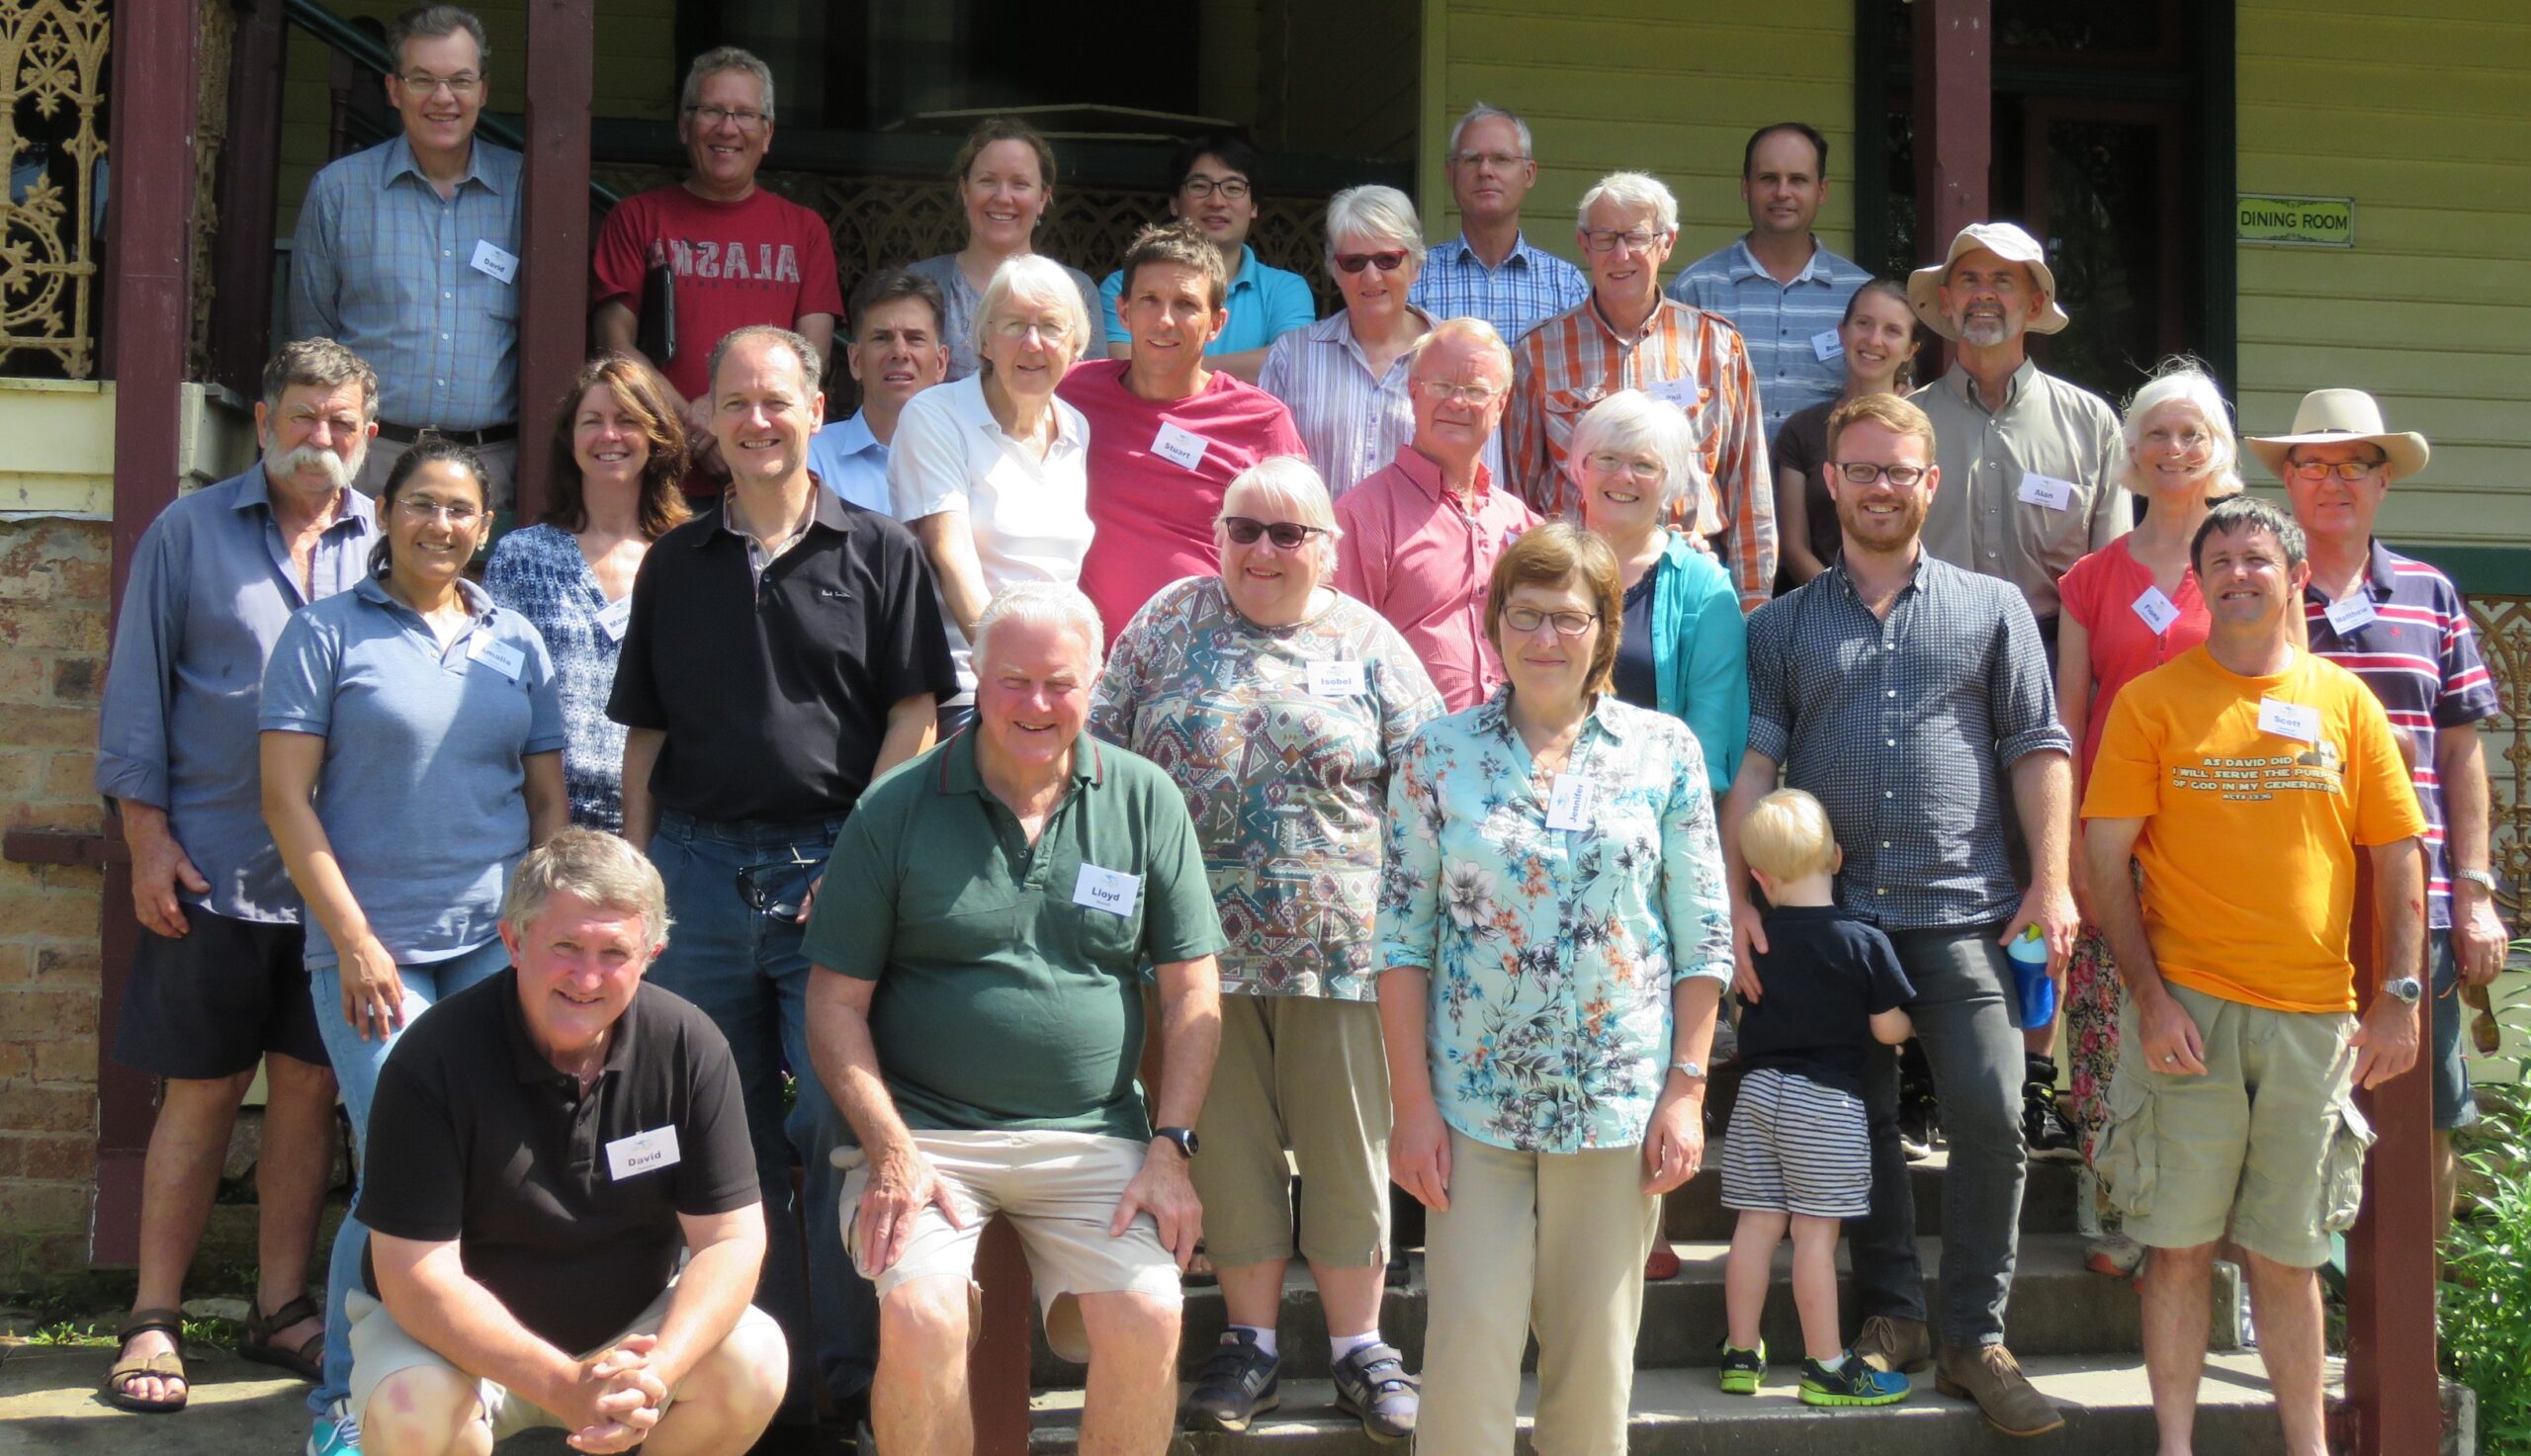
1568,802
2157,609
1112,891
1336,679
494,261
497,655
2355,611
2047,490
2297,721
616,618
1182,448
1826,344
642,1153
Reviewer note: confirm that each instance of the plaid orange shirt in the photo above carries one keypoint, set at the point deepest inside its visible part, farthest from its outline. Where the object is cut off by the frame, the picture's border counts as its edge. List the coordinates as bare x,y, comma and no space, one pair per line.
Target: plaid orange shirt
1573,361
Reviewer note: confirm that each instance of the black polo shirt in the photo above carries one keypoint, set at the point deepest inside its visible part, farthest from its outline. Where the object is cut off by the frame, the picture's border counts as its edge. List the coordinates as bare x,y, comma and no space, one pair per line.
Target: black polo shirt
474,1137
774,695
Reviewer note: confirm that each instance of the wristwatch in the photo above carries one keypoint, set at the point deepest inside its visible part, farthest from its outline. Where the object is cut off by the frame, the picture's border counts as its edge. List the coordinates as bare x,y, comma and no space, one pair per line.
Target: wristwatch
2408,989
1185,1138
2480,877
1684,1067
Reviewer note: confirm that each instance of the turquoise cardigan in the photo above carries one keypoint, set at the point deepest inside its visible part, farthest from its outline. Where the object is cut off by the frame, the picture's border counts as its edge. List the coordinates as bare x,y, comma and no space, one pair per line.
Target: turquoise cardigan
1701,655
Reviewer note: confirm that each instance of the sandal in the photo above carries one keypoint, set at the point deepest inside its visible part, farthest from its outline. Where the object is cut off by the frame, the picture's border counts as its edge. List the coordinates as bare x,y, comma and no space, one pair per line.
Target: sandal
167,1365
306,1362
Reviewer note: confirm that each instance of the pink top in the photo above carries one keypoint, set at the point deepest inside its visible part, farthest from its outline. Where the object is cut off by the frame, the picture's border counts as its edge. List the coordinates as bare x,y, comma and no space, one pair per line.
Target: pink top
2101,591
1151,516
1419,559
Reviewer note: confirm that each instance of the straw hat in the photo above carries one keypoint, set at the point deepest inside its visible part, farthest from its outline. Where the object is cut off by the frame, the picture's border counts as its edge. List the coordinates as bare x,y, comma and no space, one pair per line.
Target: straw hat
2342,418
2005,241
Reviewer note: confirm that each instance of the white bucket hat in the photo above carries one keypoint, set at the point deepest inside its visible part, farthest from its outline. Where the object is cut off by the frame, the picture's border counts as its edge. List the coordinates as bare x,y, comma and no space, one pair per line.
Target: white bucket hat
2342,417
2005,241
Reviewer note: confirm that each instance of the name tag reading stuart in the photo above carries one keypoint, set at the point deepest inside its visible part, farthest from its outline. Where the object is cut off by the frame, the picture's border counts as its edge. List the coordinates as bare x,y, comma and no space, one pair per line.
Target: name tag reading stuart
1826,344
1336,679
616,618
2047,490
2346,616
2156,610
1112,891
2297,721
493,261
1182,448
1568,802
497,655
642,1153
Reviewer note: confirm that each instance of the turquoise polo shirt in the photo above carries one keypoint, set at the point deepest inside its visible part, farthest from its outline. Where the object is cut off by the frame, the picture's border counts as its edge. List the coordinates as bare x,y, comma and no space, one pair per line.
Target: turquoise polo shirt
1265,303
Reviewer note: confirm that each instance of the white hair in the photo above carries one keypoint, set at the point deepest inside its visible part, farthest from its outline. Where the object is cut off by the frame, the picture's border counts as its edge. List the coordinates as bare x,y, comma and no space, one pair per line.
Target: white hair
1486,112
1292,487
1475,330
1043,604
1382,215
2182,380
1041,281
721,58
1631,422
1634,191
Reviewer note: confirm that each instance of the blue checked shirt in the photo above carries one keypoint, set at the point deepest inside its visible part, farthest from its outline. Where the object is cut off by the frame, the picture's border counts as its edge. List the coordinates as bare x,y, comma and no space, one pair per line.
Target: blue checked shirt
383,265
1780,322
1905,730
1532,285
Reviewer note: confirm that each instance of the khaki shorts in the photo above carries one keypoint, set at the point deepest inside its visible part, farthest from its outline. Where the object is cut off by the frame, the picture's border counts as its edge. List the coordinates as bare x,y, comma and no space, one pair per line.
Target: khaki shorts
381,1348
1058,1189
1307,1075
2268,1143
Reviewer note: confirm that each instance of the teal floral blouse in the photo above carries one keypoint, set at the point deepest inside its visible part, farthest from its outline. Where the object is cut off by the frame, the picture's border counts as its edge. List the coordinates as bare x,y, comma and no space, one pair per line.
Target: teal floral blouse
1552,951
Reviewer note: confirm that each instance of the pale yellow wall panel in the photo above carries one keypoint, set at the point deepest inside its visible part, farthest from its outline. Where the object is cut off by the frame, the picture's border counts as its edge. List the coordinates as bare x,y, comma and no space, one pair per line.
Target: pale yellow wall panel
2387,277
2414,40
2491,377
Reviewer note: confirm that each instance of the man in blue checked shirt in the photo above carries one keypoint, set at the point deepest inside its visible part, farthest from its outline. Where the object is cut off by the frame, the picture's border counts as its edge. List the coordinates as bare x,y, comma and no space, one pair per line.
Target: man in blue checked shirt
1490,271
408,254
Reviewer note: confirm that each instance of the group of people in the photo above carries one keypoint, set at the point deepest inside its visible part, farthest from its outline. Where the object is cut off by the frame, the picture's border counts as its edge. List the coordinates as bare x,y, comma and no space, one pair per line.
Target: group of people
1094,789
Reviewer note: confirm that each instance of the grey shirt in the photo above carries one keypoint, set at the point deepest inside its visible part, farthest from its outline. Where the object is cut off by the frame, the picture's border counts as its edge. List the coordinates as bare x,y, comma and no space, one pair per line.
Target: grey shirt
211,589
958,330
2048,431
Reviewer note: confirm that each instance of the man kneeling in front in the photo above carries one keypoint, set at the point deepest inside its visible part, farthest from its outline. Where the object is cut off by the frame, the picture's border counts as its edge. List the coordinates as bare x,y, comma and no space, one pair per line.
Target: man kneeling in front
555,1137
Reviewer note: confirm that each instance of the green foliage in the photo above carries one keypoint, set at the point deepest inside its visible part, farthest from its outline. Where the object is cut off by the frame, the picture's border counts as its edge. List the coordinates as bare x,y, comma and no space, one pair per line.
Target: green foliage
2486,1298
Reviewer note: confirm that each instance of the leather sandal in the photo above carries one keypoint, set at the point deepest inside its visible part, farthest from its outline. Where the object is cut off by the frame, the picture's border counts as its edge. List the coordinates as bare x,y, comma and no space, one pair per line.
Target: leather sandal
307,1362
167,1365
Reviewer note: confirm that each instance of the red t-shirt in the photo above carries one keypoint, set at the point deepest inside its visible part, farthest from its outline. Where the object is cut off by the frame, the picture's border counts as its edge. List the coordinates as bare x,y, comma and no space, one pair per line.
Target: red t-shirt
2102,591
761,259
1153,516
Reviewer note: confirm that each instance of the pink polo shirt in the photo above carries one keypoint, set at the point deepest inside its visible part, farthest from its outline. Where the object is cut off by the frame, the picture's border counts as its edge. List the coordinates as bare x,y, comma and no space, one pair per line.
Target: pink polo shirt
1151,515
1419,559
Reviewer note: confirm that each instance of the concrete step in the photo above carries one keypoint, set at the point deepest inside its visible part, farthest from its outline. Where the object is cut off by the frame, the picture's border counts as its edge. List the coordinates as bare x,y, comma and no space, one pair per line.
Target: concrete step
1681,1413
2059,1308
2047,1203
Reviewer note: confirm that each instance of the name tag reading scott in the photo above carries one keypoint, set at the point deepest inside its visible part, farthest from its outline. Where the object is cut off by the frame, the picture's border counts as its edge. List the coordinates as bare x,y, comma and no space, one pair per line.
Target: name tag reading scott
1336,679
1112,891
497,655
2047,490
493,260
1568,802
1182,448
2296,721
2346,616
616,618
1826,344
642,1153
2156,610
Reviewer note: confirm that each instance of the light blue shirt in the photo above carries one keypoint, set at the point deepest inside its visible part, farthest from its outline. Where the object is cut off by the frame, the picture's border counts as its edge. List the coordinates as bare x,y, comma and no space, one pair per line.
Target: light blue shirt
850,462
422,793
1264,303
1533,285
1783,323
212,587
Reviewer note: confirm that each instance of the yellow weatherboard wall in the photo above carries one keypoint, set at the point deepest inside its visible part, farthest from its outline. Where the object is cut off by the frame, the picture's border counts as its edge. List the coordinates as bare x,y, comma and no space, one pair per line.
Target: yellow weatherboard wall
1647,85
2420,119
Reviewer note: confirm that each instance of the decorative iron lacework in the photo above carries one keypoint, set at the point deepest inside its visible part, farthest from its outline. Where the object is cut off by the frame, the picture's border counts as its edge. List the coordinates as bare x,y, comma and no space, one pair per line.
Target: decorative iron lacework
53,76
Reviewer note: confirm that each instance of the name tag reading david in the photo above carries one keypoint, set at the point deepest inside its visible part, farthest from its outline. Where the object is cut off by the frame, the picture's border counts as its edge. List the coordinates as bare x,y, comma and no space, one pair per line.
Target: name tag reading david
2047,490
1336,679
497,655
1182,448
642,1153
2346,616
2157,609
1568,802
1112,891
616,618
2297,721
493,260
1826,344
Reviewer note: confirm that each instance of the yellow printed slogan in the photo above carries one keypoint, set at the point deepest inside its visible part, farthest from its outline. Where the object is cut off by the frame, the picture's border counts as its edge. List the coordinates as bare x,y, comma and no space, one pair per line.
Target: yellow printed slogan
2320,769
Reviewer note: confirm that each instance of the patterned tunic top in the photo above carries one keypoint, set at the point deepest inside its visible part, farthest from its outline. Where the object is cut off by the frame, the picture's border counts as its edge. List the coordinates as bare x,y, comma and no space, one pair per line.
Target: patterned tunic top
1282,739
1552,951
539,572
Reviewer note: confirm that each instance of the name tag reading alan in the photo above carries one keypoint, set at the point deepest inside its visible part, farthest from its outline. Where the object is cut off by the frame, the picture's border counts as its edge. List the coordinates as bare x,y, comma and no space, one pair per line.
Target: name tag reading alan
1826,344
2157,609
1182,448
2298,721
1336,679
1112,891
493,261
2047,490
2355,611
497,655
616,618
642,1153
1568,802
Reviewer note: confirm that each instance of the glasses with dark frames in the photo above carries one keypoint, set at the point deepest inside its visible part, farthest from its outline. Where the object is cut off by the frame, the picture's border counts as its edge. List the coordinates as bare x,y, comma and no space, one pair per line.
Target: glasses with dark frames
1388,262
1286,535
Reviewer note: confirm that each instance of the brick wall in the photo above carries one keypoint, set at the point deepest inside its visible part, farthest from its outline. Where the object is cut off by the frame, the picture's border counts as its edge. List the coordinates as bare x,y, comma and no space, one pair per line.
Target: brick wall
53,591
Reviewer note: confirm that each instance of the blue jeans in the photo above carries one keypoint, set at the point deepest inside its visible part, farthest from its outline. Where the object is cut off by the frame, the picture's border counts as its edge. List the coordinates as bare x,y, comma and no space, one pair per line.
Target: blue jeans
356,1063
745,968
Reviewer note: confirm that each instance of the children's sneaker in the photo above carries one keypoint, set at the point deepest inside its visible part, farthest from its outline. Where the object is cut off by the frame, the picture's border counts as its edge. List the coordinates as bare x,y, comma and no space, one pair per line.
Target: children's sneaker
1743,1370
335,1434
1852,1383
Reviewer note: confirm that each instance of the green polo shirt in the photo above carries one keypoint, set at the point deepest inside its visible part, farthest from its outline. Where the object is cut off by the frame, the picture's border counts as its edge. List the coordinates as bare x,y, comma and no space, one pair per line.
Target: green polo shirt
1004,1001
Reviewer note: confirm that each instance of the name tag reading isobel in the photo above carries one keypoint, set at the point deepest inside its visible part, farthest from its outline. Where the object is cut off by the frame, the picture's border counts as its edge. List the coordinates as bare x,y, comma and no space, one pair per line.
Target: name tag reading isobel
642,1153
1335,679
1112,891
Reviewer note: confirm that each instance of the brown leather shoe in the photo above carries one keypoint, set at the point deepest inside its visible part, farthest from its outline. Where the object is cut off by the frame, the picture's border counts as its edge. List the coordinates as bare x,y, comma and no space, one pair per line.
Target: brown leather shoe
1991,1376
1895,1343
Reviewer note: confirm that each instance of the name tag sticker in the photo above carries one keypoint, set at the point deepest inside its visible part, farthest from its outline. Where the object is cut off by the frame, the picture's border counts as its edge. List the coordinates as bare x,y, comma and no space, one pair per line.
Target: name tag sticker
2297,721
642,1153
1112,891
1826,344
2346,616
1336,679
1568,802
616,618
2047,490
1681,392
497,655
493,260
1182,448
2156,610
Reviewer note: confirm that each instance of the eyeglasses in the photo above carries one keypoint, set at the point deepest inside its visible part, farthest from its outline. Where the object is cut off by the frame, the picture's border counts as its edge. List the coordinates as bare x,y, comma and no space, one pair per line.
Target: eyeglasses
713,115
1526,620
2344,470
757,897
1388,262
2179,440
1286,535
1501,161
1442,391
1864,473
462,84
1607,240
1047,331
455,512
1640,470
1200,187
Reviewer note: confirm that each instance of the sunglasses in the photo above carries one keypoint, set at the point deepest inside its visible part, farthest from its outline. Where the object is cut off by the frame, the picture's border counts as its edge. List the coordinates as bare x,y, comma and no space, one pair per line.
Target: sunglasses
758,891
1388,262
1287,534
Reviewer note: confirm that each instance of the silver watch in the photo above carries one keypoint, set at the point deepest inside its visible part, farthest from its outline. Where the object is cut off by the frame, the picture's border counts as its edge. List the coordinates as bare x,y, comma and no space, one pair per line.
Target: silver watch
2480,877
1688,1068
2406,988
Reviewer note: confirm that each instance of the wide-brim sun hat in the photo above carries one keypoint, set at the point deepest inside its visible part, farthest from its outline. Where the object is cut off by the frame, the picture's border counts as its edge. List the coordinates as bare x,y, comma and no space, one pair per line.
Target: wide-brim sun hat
2342,417
2005,241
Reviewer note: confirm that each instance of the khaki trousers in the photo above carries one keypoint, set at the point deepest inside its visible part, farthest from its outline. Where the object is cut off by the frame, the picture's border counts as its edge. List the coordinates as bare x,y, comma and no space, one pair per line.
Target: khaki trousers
1548,1241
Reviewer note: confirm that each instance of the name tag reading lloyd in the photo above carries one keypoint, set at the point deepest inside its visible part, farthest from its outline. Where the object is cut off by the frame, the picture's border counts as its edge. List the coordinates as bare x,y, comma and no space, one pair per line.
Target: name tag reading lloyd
616,618
2047,490
497,655
642,1153
1568,802
2297,721
2346,616
1826,344
2156,610
1112,891
493,260
1336,679
1182,448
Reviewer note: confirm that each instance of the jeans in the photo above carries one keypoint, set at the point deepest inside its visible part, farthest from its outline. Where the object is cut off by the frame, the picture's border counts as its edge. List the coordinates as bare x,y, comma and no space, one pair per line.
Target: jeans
356,1063
1965,1013
746,971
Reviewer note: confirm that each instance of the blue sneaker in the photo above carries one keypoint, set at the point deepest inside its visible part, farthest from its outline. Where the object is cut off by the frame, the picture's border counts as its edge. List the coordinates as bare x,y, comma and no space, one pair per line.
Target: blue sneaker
1852,1383
336,1433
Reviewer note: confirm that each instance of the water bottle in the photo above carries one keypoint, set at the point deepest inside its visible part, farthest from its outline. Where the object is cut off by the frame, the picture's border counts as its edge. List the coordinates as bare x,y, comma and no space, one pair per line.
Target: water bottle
2029,953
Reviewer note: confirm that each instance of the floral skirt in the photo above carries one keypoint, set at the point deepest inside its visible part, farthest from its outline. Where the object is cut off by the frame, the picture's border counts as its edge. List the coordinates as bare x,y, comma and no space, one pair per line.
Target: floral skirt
2092,997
